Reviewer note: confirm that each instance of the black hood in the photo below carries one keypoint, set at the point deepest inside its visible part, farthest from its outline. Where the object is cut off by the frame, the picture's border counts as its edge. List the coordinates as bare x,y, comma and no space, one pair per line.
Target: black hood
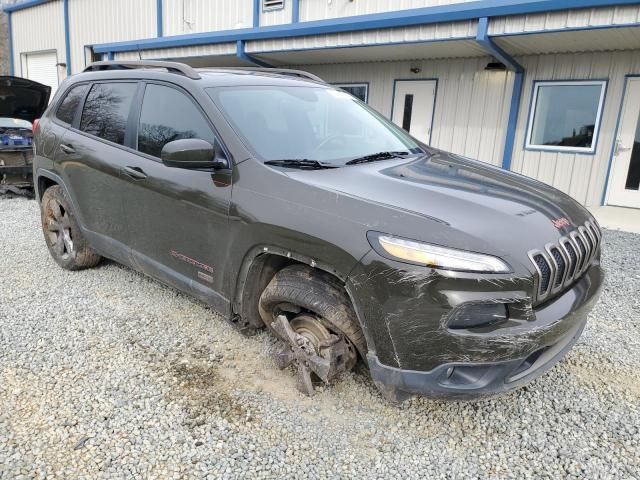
22,98
503,211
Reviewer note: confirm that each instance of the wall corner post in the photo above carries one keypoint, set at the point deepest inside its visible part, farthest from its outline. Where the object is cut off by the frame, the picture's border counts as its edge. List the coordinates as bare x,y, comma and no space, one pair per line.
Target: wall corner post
159,19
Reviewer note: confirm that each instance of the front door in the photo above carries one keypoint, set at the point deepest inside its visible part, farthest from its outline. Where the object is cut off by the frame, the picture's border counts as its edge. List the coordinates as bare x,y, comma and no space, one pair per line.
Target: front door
625,180
413,103
177,217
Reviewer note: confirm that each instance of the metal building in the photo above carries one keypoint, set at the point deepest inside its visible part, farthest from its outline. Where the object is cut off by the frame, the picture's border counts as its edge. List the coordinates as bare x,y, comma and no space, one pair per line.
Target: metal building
547,88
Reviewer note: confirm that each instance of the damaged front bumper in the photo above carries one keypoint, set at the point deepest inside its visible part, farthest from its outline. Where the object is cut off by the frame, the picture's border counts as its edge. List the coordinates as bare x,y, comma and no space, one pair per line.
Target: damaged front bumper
413,350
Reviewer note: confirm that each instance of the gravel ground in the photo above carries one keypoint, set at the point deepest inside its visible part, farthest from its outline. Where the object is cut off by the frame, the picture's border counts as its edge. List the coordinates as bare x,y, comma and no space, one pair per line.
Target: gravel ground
105,373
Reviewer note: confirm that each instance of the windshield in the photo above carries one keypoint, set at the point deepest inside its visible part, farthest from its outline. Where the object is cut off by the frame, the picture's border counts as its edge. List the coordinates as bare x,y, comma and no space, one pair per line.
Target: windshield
14,123
311,123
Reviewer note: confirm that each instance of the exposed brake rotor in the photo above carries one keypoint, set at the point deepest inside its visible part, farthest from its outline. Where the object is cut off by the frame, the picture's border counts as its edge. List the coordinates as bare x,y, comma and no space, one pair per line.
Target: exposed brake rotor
313,349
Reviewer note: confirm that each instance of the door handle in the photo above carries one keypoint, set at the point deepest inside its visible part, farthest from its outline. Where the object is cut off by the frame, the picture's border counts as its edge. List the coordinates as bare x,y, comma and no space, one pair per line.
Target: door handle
67,148
619,148
134,172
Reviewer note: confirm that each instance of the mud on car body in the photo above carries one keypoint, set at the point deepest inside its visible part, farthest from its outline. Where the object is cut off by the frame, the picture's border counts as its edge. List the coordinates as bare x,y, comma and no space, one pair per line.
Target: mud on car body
287,204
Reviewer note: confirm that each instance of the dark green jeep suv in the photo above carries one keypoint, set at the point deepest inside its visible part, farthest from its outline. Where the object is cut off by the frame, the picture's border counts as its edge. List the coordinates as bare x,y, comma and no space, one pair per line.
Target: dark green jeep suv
286,203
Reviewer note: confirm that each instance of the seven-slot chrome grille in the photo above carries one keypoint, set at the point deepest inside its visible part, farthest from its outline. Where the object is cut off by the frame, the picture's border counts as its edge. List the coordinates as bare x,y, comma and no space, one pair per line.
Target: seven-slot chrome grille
562,263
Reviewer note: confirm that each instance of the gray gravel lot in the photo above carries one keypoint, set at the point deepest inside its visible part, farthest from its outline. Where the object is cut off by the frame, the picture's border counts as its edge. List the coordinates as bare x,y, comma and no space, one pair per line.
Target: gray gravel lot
105,373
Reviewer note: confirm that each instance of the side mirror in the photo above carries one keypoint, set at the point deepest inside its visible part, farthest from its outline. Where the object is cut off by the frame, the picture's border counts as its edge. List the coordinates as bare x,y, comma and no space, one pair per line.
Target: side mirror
188,153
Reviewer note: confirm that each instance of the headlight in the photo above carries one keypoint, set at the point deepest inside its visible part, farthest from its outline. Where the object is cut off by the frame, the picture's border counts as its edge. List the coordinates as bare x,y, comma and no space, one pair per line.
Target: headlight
436,256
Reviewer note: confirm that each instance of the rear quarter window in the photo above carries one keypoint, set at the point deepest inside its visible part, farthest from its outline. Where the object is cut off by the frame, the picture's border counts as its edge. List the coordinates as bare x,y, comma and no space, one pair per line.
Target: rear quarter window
67,110
106,110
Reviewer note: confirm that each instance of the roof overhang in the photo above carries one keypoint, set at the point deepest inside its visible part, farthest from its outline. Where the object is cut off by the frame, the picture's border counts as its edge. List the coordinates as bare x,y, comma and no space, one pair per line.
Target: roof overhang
395,19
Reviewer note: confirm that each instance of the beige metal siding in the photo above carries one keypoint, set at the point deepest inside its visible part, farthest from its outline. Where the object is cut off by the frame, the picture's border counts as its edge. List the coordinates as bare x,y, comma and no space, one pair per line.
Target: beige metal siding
424,33
581,176
99,21
193,16
566,19
221,49
321,9
39,28
472,105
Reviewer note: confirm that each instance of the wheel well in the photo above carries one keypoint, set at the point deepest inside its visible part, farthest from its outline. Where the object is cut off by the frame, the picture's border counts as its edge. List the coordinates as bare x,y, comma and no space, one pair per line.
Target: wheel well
260,272
43,184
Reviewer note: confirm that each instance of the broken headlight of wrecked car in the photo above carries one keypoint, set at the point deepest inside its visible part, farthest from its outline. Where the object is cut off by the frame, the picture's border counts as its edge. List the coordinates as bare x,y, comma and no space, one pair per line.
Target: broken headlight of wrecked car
435,256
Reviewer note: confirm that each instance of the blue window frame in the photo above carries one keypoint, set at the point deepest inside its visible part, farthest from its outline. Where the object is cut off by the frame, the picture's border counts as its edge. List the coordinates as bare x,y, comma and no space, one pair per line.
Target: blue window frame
565,116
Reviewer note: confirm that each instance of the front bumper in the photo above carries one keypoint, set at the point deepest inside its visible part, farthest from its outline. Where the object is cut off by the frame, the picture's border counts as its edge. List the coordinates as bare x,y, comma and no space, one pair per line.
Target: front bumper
427,359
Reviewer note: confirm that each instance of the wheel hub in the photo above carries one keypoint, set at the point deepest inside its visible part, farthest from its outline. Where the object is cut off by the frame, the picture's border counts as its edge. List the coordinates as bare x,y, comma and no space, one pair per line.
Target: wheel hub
58,228
312,348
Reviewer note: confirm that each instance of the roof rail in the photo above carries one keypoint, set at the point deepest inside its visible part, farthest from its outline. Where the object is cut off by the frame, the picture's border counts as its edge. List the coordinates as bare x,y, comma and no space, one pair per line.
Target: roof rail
282,71
172,67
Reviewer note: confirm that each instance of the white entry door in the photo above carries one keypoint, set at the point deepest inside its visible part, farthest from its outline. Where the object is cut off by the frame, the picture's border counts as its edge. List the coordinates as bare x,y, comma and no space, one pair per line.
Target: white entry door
42,67
413,103
624,189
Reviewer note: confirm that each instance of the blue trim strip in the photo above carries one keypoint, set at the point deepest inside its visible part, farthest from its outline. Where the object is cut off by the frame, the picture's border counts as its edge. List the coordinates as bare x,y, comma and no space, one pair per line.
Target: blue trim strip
10,46
109,55
256,13
295,11
67,42
401,18
22,5
159,19
242,55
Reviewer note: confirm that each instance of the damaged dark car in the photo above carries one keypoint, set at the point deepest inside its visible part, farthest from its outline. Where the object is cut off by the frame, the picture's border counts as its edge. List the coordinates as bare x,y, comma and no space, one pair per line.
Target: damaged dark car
22,102
285,203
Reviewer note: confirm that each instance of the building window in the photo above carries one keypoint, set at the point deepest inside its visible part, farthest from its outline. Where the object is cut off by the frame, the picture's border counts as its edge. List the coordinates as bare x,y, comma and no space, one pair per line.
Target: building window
358,90
565,116
272,5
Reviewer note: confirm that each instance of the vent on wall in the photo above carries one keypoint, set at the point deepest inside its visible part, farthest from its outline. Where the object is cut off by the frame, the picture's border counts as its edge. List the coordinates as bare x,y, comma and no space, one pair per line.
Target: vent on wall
272,4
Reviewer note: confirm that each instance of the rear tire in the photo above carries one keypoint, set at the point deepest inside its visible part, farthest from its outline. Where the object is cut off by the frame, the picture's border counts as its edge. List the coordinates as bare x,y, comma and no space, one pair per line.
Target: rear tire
302,288
67,245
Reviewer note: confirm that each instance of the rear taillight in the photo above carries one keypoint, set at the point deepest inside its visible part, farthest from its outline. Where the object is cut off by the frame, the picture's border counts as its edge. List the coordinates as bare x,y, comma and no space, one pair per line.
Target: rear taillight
36,124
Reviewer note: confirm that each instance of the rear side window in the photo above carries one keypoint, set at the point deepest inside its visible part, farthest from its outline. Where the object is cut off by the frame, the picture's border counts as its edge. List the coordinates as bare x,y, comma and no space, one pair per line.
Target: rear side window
106,110
167,115
67,109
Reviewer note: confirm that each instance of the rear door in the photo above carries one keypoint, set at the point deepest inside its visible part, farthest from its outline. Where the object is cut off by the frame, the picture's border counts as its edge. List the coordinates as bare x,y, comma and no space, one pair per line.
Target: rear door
90,158
177,217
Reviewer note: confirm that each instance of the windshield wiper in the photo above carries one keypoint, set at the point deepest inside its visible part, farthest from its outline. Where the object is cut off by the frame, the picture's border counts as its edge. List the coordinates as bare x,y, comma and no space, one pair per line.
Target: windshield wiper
378,156
302,163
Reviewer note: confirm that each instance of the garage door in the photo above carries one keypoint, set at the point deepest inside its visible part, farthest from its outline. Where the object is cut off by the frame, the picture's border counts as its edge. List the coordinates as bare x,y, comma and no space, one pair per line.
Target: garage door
41,67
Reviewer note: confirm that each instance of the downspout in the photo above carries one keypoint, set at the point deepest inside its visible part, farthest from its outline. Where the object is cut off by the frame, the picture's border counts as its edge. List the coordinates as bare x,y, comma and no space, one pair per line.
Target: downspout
295,11
256,13
482,37
67,44
242,55
159,19
10,33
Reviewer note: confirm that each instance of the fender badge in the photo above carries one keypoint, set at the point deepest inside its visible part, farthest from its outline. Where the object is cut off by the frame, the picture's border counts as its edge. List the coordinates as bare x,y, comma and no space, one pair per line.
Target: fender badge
560,222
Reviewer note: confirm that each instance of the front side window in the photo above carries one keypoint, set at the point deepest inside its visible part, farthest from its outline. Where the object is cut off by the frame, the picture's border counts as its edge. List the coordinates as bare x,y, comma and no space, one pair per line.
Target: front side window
565,116
310,123
106,110
67,109
167,115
